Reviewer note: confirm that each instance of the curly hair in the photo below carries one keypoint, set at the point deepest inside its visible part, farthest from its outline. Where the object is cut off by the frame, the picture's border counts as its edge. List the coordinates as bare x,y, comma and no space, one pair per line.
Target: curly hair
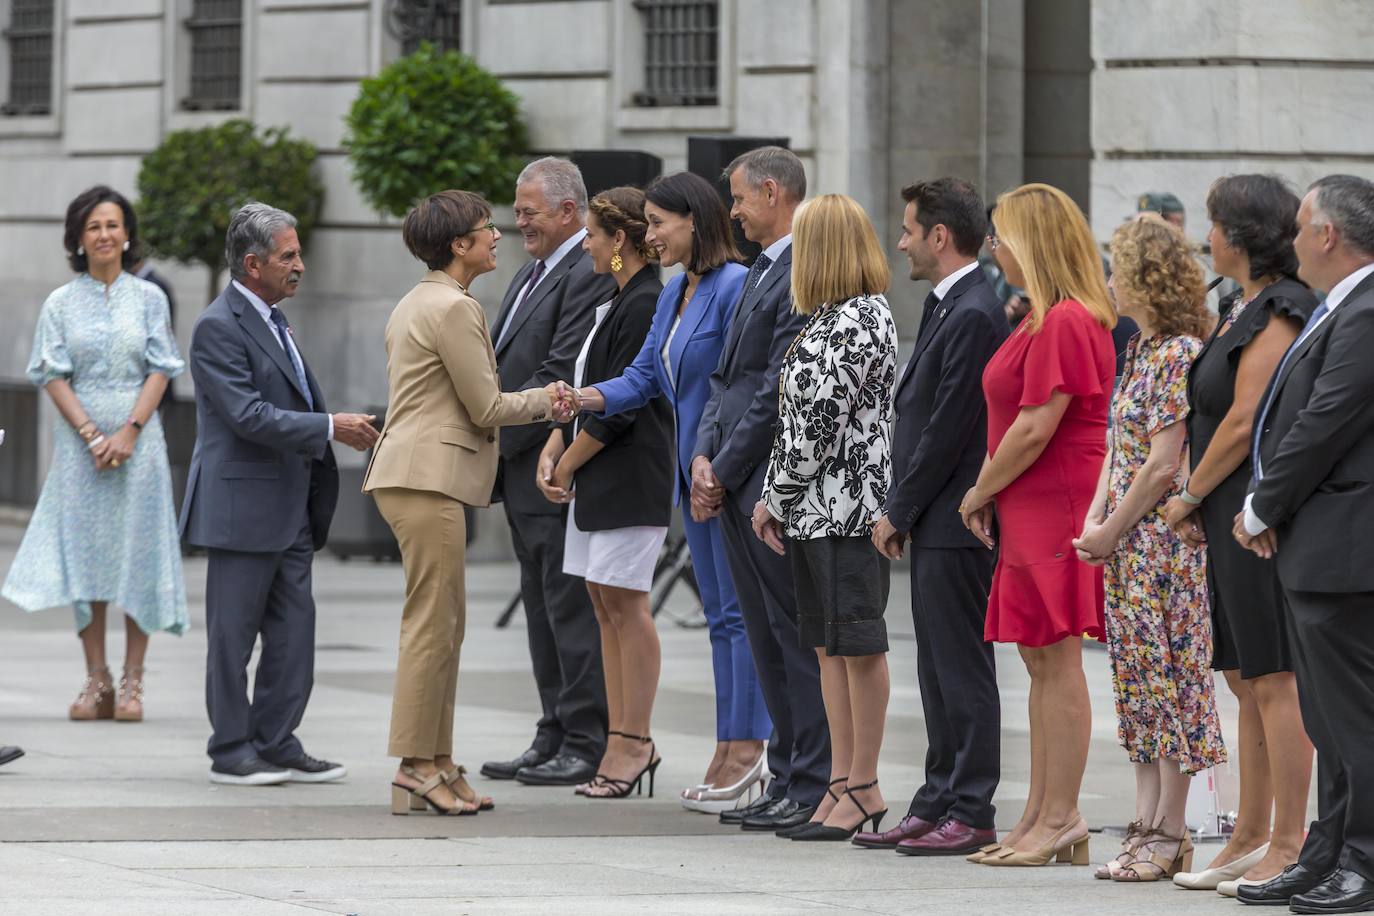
1153,264
622,209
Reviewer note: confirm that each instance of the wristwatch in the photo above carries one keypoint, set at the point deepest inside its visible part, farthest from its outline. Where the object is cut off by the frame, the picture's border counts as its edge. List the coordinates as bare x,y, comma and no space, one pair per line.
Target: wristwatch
135,424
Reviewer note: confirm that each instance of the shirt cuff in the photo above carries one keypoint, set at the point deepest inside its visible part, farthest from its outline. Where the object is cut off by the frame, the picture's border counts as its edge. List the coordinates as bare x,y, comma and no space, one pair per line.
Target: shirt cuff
331,426
1253,523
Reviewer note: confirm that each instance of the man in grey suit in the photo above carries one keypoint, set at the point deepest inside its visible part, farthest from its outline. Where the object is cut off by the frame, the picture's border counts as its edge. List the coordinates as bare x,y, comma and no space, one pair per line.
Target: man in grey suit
734,441
259,498
543,322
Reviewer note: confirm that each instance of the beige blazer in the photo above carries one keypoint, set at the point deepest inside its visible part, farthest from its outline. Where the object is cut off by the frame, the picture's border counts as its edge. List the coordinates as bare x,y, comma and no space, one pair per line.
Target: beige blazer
445,401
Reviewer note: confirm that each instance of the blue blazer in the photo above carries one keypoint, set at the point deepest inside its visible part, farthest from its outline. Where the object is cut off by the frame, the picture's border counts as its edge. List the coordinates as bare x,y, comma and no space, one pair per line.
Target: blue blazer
694,355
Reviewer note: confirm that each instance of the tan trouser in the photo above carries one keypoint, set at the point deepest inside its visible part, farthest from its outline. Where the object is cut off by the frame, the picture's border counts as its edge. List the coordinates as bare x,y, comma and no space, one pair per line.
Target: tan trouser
431,531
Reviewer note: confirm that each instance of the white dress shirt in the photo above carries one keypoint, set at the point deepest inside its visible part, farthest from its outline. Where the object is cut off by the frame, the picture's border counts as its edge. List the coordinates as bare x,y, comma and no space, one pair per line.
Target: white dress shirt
773,252
944,286
265,313
559,253
1339,293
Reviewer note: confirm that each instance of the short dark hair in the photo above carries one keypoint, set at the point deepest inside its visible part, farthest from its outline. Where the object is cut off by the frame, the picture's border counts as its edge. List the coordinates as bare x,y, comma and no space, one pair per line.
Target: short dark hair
622,210
1256,214
775,162
954,204
431,225
79,210
1347,202
687,194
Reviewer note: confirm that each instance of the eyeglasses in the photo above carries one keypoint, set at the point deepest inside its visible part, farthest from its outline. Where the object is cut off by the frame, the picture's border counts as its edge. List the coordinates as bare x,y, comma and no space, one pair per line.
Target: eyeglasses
993,242
490,227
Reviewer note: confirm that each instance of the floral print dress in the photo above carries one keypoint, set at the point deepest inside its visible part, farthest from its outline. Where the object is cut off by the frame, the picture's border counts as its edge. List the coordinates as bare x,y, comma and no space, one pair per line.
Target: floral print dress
1158,621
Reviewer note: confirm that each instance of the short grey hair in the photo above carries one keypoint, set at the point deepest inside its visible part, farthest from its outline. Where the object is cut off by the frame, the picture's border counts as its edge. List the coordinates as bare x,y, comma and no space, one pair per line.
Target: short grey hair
559,179
1346,202
781,165
253,230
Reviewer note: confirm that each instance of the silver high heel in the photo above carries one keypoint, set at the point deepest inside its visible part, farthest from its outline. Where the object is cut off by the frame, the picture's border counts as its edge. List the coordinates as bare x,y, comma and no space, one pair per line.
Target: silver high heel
716,799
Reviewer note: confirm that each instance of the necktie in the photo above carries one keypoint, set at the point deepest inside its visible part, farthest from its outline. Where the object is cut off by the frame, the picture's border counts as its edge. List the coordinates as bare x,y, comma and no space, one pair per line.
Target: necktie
524,294
756,272
284,335
1317,314
928,316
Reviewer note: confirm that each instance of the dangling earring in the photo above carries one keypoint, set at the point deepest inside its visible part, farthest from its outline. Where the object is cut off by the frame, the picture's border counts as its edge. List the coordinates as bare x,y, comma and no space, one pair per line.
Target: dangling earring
126,244
80,250
617,262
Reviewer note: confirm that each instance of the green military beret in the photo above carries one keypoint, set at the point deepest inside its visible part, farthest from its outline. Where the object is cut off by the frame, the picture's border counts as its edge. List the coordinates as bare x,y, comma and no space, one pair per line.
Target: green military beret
1161,202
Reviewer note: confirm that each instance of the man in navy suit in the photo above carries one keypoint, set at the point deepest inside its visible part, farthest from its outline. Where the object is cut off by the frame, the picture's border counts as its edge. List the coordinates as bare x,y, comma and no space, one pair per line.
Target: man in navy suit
733,444
259,498
939,444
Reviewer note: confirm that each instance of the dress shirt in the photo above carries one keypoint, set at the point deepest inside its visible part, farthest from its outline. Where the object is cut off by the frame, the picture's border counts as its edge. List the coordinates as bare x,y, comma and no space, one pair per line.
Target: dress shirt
944,286
1253,523
773,252
559,253
265,313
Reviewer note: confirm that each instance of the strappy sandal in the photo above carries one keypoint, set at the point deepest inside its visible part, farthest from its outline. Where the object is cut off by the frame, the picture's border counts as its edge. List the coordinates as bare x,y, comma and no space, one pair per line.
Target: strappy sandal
96,699
805,826
457,781
1159,866
1136,834
621,788
129,707
599,778
403,796
824,832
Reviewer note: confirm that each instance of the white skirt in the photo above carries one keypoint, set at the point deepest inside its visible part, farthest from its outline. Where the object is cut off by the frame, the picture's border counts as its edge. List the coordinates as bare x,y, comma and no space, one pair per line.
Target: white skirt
621,558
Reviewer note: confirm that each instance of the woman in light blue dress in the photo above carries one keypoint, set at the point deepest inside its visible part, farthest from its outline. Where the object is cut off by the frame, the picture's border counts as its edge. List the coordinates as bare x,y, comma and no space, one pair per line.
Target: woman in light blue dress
104,530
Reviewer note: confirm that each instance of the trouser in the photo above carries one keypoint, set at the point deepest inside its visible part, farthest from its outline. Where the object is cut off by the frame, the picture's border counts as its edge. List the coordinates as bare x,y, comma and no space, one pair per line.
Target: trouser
431,531
958,680
248,595
564,639
789,675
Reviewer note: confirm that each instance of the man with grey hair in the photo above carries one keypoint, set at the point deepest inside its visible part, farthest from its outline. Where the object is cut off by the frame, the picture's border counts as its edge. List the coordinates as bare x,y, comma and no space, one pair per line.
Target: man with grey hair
1313,454
538,333
259,499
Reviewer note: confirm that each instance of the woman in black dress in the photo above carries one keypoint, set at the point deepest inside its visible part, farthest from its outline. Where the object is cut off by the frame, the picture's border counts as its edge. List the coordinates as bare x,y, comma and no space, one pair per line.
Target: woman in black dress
1252,243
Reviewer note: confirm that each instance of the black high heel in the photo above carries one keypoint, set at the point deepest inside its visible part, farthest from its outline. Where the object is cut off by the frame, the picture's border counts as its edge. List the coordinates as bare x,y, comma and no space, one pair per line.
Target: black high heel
824,832
788,833
599,778
621,788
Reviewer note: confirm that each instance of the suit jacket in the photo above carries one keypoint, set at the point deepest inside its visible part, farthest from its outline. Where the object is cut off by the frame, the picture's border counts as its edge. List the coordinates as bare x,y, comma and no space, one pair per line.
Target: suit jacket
940,436
1317,453
740,419
695,353
544,339
445,402
262,466
630,481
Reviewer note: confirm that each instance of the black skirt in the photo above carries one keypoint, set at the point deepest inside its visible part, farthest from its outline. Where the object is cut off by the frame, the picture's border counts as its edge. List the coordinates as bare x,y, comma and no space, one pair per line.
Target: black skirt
842,585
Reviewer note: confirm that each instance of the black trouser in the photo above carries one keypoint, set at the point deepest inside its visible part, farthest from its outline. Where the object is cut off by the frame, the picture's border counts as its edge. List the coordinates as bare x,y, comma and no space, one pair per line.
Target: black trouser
565,641
1333,646
958,679
789,675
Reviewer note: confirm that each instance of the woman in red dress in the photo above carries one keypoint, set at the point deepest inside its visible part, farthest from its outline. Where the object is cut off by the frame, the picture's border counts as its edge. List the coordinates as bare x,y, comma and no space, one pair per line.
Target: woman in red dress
1047,390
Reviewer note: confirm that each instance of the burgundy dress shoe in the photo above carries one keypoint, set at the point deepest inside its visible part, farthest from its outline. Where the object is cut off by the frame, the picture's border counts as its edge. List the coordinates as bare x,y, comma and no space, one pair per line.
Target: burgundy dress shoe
909,828
951,838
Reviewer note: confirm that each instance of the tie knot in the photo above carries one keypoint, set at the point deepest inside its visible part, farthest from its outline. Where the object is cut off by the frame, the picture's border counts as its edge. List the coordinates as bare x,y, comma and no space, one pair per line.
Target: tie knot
277,317
762,262
932,300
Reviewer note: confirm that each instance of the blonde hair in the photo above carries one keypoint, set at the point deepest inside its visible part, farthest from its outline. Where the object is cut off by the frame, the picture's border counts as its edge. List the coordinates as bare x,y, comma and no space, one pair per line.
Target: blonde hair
835,254
1152,264
1049,237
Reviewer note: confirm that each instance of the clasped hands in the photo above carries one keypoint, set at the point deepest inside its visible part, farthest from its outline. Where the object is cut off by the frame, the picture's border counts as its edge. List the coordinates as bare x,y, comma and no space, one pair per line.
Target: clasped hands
115,449
708,493
554,478
564,401
978,513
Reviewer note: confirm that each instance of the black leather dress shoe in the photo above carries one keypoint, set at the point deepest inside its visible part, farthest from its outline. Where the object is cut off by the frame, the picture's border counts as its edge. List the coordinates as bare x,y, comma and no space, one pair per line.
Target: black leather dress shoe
506,769
1343,891
1277,891
9,753
734,816
562,770
783,813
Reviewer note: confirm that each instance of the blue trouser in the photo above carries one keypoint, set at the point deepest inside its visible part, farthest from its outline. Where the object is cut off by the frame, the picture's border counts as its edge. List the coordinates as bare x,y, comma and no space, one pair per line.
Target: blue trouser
740,711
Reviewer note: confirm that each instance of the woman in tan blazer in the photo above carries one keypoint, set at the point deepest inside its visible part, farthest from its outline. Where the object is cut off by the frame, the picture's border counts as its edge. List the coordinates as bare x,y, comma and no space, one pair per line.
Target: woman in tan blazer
438,453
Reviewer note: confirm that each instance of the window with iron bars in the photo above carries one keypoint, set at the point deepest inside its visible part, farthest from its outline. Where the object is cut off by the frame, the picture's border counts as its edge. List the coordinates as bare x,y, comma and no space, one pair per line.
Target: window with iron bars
216,30
414,22
681,52
29,36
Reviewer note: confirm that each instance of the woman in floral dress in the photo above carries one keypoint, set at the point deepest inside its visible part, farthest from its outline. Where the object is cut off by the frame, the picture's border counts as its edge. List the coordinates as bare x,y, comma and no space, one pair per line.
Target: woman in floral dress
104,530
1158,623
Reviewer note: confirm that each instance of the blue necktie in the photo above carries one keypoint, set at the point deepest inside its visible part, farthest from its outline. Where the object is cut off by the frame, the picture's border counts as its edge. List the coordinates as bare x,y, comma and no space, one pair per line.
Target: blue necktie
756,272
284,335
1317,314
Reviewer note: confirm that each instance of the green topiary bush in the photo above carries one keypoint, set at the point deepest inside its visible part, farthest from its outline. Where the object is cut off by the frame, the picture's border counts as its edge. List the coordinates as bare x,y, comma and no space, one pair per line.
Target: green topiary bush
429,121
191,185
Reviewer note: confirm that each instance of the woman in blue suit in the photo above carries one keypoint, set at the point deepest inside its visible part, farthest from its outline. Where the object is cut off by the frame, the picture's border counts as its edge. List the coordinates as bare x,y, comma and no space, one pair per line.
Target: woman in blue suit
689,225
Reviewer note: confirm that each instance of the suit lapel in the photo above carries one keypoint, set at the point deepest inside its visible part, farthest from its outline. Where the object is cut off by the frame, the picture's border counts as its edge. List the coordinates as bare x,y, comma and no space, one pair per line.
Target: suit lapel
947,305
779,269
547,284
257,329
691,320
522,277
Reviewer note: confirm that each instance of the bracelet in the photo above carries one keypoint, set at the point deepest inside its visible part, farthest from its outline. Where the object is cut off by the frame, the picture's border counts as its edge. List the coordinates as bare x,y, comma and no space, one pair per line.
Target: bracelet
83,426
135,424
1189,498
94,443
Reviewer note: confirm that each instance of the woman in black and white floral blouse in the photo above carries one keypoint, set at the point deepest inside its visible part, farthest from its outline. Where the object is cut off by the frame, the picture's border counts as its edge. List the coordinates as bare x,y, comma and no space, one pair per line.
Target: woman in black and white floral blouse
826,484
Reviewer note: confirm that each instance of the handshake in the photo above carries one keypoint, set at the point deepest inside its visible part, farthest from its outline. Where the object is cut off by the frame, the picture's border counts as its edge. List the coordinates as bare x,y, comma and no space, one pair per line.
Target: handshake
564,401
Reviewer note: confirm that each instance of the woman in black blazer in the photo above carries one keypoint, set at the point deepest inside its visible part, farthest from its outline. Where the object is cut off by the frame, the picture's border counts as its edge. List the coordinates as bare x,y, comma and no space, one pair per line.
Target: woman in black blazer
617,476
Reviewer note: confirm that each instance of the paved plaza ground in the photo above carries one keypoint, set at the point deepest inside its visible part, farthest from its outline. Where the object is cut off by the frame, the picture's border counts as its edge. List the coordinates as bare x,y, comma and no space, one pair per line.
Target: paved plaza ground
106,819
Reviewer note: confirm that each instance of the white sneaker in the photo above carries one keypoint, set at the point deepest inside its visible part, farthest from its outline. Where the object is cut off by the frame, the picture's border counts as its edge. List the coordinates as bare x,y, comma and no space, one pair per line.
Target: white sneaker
1210,879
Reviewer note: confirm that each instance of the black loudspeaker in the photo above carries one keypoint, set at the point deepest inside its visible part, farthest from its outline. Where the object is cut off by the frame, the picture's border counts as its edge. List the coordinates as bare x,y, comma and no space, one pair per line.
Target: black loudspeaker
708,157
603,169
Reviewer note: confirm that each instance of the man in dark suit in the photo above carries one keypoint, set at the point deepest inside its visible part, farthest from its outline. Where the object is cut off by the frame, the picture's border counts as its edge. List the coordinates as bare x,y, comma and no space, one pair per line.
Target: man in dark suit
939,444
733,444
259,498
544,320
1310,507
